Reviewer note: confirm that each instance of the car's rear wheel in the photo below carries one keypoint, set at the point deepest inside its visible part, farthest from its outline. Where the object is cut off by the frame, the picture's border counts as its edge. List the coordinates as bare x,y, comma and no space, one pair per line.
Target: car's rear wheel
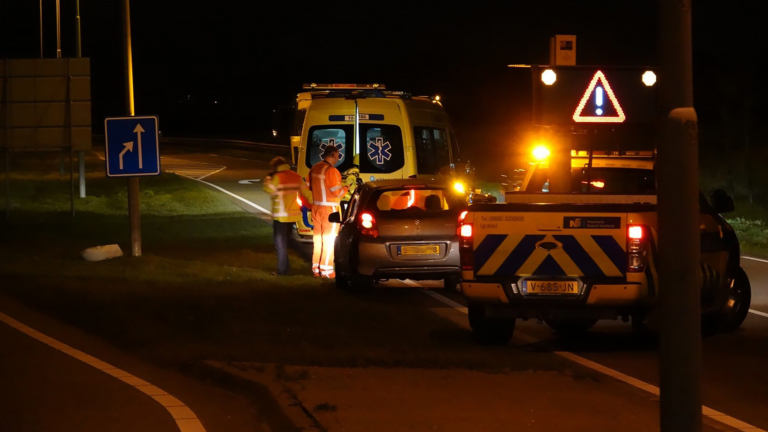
571,326
739,300
489,330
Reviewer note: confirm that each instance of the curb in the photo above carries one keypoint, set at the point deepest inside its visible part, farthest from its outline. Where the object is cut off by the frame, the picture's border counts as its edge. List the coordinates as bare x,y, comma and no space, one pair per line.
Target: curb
278,404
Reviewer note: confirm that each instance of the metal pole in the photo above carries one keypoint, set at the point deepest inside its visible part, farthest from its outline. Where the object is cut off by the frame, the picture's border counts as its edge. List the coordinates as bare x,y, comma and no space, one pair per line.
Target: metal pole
58,28
8,180
71,183
77,13
679,242
41,28
134,206
81,153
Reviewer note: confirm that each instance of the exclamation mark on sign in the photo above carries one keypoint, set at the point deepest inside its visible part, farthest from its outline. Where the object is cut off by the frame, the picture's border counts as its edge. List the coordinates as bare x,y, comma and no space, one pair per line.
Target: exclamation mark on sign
599,100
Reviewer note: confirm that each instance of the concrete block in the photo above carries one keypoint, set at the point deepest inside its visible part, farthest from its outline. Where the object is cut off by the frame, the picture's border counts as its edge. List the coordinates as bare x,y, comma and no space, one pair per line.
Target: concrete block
102,253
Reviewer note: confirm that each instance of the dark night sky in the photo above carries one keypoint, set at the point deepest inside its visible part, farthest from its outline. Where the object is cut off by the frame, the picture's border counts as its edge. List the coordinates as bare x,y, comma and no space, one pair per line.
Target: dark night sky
252,56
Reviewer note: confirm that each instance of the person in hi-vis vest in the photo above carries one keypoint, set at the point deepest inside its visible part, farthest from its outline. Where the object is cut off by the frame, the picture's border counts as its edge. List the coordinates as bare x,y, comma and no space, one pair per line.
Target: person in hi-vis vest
327,191
284,186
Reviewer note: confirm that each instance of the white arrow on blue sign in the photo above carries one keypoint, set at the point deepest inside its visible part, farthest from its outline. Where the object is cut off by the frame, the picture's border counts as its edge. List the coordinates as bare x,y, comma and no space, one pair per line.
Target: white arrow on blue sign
132,146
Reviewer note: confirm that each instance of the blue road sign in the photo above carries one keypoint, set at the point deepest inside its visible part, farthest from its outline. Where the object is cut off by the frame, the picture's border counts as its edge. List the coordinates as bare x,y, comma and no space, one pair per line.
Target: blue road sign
132,146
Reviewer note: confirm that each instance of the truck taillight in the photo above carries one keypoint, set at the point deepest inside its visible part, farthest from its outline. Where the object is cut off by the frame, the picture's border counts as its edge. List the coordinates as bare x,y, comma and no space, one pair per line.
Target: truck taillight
466,230
466,253
368,225
637,250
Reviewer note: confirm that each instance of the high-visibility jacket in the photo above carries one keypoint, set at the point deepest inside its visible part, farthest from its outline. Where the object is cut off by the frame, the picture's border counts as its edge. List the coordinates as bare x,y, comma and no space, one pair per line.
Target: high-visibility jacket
285,186
325,183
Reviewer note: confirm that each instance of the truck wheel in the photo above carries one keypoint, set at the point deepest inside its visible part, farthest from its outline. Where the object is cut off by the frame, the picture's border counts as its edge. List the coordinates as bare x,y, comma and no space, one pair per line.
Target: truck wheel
451,283
571,326
490,331
739,299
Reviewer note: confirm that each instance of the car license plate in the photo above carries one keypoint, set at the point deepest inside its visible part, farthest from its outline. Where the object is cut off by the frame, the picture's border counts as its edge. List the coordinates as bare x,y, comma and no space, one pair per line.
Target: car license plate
419,250
552,287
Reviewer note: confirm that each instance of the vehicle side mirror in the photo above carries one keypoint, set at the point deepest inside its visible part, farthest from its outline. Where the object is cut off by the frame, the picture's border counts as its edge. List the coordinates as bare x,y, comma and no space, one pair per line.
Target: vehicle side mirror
721,202
334,218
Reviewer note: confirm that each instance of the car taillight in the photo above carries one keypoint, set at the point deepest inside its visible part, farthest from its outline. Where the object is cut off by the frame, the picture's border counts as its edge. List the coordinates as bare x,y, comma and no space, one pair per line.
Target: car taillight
466,253
637,250
463,215
368,225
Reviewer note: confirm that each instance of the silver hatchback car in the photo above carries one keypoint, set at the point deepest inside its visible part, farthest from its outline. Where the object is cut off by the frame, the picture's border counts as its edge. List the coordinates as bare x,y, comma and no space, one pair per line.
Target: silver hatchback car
399,229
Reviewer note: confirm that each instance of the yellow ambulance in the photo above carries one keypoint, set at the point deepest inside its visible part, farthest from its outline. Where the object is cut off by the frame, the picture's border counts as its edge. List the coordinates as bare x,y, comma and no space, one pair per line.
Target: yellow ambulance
380,134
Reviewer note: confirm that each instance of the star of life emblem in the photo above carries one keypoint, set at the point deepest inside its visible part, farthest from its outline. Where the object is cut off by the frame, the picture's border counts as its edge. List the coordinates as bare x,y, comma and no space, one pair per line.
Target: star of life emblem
379,151
332,142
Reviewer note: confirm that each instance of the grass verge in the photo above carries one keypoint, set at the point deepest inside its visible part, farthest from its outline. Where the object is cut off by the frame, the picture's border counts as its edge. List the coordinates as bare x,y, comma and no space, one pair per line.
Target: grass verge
202,290
751,224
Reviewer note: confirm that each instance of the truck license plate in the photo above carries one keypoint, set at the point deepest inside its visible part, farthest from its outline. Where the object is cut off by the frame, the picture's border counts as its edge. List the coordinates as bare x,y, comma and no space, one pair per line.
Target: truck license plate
419,250
552,287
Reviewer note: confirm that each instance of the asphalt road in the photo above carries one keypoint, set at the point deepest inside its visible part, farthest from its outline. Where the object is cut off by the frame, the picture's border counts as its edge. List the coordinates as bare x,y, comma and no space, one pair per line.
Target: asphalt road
45,389
735,375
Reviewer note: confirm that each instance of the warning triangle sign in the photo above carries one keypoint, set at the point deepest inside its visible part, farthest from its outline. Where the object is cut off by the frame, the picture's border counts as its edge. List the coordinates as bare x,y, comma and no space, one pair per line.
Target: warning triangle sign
599,103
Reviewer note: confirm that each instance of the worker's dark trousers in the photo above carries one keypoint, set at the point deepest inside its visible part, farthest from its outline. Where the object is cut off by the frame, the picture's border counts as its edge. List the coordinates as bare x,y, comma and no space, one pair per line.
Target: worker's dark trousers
281,232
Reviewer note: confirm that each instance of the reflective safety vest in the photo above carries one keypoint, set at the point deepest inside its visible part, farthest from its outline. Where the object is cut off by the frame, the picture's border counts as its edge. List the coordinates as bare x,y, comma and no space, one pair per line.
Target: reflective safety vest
285,186
325,184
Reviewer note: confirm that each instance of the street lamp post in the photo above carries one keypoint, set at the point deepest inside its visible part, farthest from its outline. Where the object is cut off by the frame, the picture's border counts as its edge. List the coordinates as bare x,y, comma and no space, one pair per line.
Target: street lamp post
134,206
679,242
81,153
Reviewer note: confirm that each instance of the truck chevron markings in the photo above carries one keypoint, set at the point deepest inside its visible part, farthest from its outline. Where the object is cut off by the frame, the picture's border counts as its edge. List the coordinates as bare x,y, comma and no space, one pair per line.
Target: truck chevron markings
580,255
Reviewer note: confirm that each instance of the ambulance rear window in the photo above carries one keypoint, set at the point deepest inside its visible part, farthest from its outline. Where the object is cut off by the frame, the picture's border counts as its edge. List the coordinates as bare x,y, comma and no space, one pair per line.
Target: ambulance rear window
382,148
321,137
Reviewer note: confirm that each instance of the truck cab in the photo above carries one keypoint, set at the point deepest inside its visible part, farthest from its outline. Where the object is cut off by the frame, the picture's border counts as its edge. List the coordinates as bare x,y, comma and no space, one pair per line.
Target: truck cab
588,251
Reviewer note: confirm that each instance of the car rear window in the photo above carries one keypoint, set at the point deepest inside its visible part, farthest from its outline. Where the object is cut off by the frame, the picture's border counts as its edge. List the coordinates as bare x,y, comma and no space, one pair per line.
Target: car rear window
415,200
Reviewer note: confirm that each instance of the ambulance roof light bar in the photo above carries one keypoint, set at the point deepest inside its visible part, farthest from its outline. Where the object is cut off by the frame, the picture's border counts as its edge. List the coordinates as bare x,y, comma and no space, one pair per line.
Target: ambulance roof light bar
314,86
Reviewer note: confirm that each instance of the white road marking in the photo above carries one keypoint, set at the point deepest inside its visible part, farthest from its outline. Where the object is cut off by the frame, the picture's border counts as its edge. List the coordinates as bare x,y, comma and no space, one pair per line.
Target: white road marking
185,419
709,412
759,313
754,259
195,170
257,207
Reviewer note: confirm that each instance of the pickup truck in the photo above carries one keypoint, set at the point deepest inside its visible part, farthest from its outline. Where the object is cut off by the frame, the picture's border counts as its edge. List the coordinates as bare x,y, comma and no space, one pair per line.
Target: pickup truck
571,259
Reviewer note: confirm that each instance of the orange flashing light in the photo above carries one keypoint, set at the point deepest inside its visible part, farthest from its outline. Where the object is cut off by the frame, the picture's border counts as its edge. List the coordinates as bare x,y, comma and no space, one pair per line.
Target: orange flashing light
578,118
596,183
